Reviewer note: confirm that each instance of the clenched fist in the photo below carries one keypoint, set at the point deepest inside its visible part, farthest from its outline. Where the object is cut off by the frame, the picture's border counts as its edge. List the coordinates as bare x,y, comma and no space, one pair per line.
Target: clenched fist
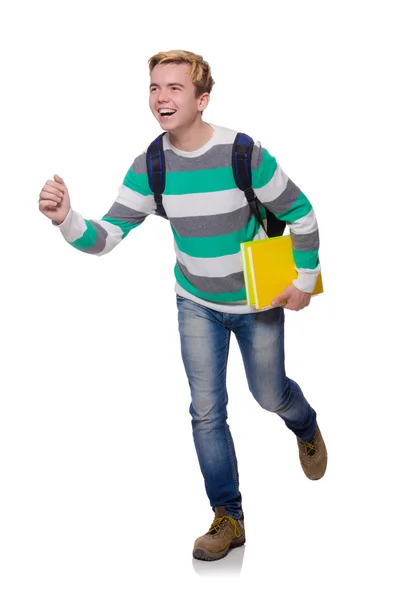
54,201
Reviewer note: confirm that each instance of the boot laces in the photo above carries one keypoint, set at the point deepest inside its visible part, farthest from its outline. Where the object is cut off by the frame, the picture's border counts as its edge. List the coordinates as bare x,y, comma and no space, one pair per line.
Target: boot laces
220,522
310,447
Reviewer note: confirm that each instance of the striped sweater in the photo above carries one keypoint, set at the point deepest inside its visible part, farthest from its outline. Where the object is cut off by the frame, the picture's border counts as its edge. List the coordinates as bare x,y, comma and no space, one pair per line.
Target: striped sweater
209,218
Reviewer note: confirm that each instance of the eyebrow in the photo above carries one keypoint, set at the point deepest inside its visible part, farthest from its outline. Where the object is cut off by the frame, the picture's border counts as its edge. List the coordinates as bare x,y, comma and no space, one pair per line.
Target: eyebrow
168,84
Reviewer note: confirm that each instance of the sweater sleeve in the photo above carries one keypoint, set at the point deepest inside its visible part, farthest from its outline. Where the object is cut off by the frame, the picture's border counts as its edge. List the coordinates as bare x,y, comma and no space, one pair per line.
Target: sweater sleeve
288,203
133,204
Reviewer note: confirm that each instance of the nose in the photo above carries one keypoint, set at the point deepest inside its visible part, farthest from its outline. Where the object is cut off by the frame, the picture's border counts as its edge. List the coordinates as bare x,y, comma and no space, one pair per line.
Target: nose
163,95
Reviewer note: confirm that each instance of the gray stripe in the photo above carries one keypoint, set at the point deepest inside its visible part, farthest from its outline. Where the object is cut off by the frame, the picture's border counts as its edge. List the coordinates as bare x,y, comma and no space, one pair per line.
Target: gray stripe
306,241
139,164
217,157
285,200
256,157
215,285
100,241
210,225
124,213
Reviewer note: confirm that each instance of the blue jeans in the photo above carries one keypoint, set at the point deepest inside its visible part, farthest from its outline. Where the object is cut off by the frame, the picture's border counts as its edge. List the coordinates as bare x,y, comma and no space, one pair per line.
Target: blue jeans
205,339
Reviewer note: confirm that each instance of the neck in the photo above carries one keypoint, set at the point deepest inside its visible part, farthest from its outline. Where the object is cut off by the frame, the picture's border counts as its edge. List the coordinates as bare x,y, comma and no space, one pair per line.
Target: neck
193,137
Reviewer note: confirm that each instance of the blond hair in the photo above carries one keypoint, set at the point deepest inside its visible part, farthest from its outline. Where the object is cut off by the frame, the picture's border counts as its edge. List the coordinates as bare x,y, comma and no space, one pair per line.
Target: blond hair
199,71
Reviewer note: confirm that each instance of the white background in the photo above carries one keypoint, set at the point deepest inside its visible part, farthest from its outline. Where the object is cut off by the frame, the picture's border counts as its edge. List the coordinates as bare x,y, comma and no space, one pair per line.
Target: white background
101,496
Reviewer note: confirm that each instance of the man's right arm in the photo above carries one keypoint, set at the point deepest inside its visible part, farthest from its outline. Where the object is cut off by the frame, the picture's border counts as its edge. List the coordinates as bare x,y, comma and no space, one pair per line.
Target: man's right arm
99,236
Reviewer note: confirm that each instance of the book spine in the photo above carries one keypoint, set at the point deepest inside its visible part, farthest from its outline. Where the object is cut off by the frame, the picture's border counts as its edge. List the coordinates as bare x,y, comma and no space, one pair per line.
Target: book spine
253,278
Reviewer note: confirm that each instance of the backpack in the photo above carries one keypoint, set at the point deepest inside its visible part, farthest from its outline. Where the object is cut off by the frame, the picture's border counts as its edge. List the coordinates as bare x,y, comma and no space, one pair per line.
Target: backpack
241,163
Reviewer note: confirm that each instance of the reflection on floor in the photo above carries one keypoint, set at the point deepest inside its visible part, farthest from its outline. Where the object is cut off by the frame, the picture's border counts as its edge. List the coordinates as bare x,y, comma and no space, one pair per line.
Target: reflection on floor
230,565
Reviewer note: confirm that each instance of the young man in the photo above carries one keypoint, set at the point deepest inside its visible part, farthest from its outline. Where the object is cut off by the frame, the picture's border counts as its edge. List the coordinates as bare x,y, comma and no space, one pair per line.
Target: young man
210,217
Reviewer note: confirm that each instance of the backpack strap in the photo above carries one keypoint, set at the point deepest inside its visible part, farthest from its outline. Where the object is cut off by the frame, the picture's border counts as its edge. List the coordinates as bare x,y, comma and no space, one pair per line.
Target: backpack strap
155,163
242,171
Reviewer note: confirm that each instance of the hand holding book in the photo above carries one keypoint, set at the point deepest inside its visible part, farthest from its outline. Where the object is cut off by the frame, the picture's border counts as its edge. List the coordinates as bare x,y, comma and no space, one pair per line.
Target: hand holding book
292,298
269,272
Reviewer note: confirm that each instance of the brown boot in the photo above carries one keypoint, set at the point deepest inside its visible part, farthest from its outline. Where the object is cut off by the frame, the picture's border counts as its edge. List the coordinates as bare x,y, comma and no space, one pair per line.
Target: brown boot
313,456
225,533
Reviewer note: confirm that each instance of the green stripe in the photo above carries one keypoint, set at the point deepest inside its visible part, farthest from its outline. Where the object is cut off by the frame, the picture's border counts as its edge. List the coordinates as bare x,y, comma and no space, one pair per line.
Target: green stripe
225,297
202,181
300,208
305,259
217,245
138,183
185,182
123,225
87,240
263,174
199,182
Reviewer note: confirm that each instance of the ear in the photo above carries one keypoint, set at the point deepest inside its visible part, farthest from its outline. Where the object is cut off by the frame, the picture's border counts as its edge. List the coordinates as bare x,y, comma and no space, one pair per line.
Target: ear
203,102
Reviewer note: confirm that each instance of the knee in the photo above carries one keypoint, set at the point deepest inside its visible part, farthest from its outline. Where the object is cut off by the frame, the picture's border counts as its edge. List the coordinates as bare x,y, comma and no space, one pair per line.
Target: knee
207,416
272,399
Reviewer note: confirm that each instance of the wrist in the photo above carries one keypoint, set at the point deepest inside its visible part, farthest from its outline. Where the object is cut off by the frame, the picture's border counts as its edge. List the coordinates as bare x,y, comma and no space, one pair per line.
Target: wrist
64,221
306,282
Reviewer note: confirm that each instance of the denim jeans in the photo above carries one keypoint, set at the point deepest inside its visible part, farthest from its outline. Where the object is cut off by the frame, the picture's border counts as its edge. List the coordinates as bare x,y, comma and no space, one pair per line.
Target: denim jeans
205,339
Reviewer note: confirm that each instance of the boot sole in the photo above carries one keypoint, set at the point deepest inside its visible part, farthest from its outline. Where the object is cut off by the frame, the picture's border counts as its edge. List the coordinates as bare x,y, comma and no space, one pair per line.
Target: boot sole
316,476
202,554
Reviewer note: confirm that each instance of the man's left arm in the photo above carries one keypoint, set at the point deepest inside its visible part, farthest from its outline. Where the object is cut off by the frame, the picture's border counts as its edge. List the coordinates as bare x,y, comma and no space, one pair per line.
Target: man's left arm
288,203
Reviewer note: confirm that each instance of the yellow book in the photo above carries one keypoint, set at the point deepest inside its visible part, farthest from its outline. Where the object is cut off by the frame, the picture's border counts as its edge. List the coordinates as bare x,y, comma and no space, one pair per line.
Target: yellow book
249,287
268,269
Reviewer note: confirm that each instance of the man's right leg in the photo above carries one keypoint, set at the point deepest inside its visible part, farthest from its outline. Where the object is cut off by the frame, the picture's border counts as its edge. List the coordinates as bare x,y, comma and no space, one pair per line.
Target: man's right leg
205,348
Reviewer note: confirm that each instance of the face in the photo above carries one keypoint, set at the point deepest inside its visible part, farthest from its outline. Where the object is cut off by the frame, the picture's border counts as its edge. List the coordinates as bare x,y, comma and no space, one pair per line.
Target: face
173,98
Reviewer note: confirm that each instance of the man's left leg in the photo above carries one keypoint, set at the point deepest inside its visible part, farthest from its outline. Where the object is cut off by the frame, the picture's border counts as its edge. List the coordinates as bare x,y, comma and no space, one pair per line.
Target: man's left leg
261,340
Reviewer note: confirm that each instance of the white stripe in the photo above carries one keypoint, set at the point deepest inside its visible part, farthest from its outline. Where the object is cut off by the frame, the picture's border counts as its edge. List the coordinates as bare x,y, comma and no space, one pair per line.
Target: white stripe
114,237
73,227
225,135
276,186
306,224
221,135
261,235
128,197
211,267
239,307
307,279
199,205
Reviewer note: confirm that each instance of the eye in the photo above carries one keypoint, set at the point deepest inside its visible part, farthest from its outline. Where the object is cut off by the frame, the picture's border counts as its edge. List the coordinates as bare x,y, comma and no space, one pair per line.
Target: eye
175,88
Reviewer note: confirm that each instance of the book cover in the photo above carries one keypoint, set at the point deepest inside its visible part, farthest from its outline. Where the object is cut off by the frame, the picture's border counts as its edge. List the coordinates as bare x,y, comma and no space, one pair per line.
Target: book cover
269,268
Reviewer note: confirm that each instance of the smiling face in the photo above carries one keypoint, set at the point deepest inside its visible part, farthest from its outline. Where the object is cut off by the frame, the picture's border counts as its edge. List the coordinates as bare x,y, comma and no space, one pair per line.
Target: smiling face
173,99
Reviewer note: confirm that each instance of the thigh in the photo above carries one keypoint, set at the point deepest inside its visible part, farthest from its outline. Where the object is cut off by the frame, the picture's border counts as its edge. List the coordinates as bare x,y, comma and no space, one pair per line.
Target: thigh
261,340
205,347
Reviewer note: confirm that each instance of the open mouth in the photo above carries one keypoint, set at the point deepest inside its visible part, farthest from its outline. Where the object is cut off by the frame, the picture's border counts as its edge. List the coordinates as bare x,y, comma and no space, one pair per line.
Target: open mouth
166,113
